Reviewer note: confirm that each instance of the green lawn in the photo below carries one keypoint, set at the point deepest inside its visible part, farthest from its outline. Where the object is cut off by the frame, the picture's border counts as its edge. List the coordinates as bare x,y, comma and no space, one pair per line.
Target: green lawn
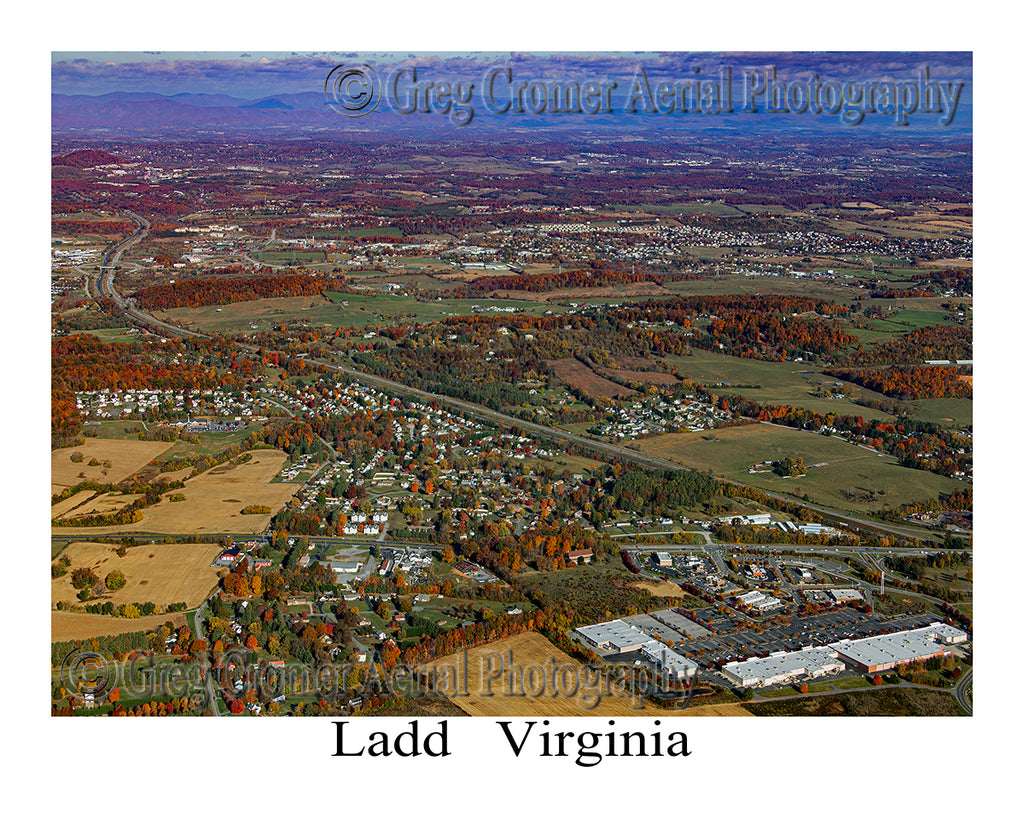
339,310
833,465
777,382
210,443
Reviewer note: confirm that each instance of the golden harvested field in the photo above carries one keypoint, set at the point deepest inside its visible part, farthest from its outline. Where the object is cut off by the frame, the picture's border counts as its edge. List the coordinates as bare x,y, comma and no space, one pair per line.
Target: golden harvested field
725,709
214,501
66,505
532,650
69,625
126,458
101,503
163,573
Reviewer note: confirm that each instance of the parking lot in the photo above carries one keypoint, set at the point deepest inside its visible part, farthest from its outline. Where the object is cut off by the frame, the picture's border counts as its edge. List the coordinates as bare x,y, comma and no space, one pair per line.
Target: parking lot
821,629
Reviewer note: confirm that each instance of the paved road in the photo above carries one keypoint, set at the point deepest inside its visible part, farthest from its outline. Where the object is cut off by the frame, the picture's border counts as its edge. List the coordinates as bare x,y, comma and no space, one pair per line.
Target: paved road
960,692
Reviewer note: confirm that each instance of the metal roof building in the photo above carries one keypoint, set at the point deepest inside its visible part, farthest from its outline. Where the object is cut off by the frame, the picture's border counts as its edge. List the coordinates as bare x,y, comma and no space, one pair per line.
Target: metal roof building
784,666
616,635
886,651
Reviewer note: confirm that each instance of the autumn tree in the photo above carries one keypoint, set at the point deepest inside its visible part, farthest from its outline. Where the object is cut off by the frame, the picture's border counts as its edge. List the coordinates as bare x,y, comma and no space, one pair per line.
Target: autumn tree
115,580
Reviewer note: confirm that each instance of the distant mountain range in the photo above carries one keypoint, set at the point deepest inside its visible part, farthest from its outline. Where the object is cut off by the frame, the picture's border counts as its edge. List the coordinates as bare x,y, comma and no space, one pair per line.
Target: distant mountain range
128,114
159,113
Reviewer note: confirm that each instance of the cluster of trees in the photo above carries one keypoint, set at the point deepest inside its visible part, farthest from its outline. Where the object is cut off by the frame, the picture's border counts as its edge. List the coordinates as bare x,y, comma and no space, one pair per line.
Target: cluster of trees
116,645
937,342
544,282
130,611
773,336
679,308
789,467
206,291
660,491
77,227
909,383
960,501
486,631
914,567
256,509
82,363
65,419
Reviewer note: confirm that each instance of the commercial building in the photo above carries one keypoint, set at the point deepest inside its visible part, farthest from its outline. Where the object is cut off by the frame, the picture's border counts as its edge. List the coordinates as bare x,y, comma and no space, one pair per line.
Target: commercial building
845,595
620,637
886,651
614,635
758,601
784,666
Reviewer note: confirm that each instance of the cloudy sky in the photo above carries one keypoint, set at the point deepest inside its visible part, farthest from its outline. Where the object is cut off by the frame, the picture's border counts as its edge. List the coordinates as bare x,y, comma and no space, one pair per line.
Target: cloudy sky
259,74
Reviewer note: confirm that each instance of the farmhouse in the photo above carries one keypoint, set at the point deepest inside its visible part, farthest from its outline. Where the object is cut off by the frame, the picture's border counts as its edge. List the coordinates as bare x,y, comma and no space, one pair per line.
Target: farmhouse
577,556
227,557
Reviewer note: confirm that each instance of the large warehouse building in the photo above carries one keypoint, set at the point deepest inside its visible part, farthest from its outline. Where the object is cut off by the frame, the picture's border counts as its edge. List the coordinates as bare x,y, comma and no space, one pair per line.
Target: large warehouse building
784,666
886,651
620,637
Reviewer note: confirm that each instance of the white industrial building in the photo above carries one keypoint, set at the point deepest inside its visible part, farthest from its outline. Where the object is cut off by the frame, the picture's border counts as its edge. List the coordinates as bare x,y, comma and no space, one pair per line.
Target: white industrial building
614,635
667,660
618,636
886,651
784,666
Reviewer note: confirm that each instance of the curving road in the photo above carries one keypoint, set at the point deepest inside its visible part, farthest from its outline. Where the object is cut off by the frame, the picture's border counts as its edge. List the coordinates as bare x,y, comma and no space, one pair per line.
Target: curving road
960,692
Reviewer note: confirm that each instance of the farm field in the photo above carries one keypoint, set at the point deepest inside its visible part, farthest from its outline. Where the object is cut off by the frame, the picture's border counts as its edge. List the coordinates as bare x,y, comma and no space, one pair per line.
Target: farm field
836,470
210,443
581,376
90,503
728,284
214,500
945,410
723,709
334,310
69,625
126,458
163,573
531,649
778,382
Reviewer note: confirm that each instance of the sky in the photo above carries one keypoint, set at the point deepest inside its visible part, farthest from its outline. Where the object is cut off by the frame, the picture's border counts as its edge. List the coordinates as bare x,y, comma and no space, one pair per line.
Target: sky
255,74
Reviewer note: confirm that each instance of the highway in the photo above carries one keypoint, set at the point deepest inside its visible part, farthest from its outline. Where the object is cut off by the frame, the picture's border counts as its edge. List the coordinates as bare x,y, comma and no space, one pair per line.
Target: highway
107,287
